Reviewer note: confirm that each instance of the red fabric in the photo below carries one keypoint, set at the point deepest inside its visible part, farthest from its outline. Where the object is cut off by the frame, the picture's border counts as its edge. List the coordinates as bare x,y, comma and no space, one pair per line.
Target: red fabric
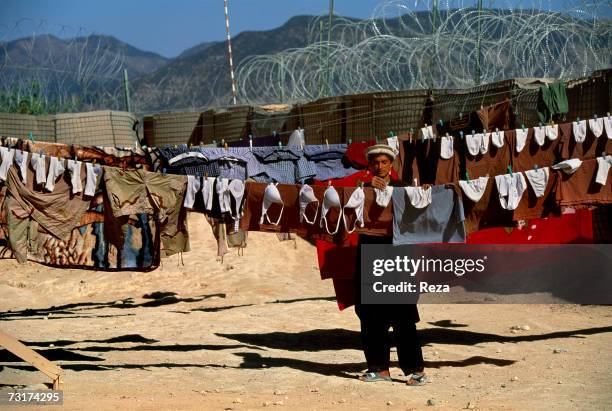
571,228
355,153
338,262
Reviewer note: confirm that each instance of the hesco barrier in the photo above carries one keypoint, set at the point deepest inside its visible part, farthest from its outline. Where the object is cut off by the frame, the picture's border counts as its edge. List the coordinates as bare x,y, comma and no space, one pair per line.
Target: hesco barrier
339,119
101,128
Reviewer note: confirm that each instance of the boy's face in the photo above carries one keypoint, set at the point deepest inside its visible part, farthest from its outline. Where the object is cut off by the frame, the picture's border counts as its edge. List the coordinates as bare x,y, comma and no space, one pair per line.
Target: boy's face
380,165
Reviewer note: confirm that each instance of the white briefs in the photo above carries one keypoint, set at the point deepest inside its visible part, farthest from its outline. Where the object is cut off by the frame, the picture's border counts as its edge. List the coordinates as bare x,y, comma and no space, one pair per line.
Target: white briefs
510,188
580,129
446,147
477,143
6,155
608,125
603,168
521,139
419,197
74,168
538,180
497,138
474,189
56,169
91,182
193,186
596,125
39,166
539,135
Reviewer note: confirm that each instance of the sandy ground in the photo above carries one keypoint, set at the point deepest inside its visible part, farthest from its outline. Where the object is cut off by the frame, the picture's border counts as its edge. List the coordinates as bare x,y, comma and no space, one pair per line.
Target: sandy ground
263,331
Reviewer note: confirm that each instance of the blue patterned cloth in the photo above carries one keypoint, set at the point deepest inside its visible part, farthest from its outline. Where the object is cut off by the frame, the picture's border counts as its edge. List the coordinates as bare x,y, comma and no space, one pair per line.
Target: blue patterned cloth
285,165
328,161
234,162
195,166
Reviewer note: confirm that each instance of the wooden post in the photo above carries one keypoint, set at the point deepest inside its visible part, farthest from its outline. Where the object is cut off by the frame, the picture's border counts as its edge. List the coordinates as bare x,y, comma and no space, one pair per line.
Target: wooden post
28,355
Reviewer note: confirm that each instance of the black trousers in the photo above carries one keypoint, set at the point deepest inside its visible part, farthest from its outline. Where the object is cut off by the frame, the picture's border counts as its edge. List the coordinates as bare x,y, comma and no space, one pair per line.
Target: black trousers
376,320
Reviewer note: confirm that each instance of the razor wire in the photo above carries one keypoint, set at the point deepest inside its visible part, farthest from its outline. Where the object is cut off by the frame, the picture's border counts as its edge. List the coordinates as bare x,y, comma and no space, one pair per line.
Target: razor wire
401,48
65,69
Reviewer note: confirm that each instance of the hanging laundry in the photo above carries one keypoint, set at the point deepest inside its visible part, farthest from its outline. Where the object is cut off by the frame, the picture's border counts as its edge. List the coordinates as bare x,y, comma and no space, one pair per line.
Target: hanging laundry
383,197
6,156
510,188
92,179
474,189
74,168
440,222
580,189
533,155
552,132
539,135
234,162
393,143
193,186
296,139
161,196
473,143
356,202
552,101
580,130
568,166
521,139
331,200
355,154
208,191
56,169
427,133
328,161
582,143
596,125
538,178
419,197
495,116
307,197
26,209
225,203
123,157
603,168
484,145
497,138
187,161
271,196
447,147
21,159
39,166
608,126
570,228
236,189
285,165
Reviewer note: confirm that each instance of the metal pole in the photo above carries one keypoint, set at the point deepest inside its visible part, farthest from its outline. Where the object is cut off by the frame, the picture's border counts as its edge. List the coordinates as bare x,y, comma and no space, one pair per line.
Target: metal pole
434,29
478,38
229,52
126,89
321,55
329,29
281,78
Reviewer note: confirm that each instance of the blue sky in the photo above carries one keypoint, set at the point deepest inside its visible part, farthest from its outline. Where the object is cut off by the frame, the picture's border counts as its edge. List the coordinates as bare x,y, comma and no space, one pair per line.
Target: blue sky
169,27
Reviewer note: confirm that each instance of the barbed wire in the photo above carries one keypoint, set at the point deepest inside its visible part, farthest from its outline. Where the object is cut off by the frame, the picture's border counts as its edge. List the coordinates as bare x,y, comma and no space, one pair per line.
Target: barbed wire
399,48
